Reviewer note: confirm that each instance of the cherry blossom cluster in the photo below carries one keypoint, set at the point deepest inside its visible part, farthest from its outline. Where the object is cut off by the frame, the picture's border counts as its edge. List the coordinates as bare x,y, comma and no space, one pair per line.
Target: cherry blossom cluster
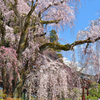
52,74
54,77
92,31
8,60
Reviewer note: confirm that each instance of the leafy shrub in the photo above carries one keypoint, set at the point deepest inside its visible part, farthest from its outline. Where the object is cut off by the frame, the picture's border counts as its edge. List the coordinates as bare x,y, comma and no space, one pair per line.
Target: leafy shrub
94,92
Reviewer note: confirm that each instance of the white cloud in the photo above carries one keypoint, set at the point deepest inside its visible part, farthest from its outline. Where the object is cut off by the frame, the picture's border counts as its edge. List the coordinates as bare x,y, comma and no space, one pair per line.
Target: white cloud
67,62
71,65
87,70
75,47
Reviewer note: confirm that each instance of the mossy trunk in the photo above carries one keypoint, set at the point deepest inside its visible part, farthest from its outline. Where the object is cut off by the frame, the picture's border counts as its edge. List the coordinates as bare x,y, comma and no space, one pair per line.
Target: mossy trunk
18,90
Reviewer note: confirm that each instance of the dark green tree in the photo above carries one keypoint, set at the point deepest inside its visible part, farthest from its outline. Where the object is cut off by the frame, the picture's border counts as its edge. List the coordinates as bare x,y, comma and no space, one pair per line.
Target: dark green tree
94,92
53,36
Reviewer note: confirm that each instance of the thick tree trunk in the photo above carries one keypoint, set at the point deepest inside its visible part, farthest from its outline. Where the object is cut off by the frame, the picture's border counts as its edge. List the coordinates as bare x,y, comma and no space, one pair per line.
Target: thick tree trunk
18,89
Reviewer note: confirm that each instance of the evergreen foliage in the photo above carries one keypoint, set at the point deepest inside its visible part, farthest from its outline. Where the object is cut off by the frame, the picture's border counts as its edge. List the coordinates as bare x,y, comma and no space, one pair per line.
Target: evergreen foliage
94,92
53,36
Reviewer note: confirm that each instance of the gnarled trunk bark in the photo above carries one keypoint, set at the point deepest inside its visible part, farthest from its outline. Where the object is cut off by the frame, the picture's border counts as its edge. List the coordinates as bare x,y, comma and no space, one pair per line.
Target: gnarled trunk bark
18,89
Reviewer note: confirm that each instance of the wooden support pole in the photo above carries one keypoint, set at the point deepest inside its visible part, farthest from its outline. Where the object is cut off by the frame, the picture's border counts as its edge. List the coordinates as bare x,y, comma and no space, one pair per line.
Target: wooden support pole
83,97
87,93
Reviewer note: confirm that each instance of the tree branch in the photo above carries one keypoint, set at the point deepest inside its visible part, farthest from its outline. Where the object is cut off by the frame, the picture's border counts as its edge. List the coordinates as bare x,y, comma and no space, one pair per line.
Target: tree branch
2,31
55,46
66,47
46,8
24,34
39,35
49,22
14,8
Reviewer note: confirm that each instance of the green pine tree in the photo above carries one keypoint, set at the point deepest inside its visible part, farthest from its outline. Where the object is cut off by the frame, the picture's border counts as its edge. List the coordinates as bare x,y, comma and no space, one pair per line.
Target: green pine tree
53,36
94,92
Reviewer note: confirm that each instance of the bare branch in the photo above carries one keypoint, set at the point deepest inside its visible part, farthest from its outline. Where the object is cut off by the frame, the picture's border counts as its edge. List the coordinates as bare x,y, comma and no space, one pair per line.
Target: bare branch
46,8
29,14
49,22
14,8
86,47
2,31
66,47
55,46
39,35
24,34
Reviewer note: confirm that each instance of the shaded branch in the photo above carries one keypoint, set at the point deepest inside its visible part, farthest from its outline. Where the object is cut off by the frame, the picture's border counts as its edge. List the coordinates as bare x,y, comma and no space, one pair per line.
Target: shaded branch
50,5
24,34
49,22
39,35
14,8
2,31
66,47
55,46
27,20
86,47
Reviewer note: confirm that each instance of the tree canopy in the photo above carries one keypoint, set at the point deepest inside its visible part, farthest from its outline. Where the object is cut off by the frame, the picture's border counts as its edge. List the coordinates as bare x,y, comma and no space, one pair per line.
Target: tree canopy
23,41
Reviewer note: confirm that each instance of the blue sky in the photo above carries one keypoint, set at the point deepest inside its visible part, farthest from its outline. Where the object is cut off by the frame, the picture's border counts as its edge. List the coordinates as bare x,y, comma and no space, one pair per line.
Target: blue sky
87,11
